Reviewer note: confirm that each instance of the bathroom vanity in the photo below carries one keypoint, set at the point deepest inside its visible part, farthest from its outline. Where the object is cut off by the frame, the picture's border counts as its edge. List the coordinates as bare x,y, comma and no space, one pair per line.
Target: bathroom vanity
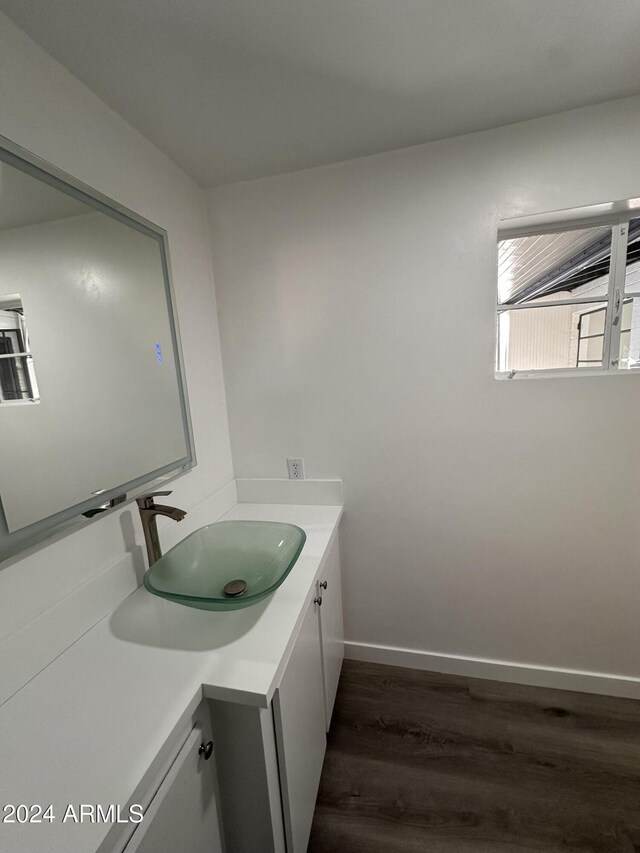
210,724
129,721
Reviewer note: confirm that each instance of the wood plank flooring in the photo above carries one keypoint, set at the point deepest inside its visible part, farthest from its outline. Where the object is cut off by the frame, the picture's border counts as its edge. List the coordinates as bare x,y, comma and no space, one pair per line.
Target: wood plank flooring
418,761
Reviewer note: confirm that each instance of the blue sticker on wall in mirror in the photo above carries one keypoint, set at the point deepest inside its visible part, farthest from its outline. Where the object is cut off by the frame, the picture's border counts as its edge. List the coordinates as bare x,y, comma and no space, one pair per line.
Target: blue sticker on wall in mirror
158,353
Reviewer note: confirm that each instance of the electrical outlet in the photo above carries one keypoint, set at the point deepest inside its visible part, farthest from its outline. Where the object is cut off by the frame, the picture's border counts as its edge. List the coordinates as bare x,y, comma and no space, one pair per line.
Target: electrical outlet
296,469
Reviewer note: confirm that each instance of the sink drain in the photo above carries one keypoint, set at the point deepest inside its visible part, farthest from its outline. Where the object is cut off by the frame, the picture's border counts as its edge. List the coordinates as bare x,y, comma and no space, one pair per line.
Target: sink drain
235,588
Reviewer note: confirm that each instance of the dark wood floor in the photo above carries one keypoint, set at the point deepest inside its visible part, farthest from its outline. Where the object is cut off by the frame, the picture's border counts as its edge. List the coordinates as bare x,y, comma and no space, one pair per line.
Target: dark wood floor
418,761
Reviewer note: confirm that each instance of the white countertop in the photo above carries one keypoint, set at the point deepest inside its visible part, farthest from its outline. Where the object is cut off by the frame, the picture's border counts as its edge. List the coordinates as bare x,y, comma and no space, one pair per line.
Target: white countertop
91,724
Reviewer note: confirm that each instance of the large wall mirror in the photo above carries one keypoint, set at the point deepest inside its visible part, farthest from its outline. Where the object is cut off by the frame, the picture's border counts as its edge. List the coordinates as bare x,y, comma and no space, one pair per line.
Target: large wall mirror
92,397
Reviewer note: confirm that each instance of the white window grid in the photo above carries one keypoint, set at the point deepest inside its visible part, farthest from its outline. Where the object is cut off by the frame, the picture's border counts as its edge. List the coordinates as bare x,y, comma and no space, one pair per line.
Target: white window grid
616,297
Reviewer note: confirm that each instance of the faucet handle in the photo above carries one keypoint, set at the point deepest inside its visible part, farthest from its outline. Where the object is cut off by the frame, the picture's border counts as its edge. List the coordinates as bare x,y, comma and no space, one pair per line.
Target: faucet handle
146,501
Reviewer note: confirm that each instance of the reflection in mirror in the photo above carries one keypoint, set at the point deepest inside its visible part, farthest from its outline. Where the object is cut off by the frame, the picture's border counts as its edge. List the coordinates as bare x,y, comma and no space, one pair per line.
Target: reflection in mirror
17,375
85,305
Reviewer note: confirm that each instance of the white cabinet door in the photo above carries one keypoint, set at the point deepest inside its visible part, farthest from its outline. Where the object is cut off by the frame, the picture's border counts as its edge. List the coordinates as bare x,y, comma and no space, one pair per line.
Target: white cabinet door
299,716
183,815
331,628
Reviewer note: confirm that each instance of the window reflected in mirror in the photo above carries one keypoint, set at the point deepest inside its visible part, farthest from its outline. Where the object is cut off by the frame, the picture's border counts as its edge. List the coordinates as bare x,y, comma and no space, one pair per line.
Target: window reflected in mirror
17,373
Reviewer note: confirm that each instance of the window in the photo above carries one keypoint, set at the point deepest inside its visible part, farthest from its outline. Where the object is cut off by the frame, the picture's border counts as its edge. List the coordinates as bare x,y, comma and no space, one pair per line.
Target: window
17,374
569,301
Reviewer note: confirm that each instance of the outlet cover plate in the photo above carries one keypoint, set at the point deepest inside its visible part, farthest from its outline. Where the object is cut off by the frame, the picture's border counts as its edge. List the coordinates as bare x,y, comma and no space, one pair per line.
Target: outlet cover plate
295,466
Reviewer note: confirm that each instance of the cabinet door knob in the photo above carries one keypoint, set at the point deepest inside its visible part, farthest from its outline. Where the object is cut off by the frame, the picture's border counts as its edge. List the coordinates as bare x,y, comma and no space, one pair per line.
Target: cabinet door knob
323,584
318,600
206,749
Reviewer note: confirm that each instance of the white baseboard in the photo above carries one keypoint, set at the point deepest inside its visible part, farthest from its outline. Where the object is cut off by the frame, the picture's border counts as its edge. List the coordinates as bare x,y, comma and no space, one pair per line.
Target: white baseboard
516,673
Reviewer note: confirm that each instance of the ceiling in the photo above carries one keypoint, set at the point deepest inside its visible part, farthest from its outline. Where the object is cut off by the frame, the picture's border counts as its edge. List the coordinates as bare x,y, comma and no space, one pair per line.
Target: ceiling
238,89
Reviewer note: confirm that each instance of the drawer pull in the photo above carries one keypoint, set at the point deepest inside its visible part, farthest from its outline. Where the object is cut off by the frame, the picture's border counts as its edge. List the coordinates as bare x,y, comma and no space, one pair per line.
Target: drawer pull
323,585
206,749
318,600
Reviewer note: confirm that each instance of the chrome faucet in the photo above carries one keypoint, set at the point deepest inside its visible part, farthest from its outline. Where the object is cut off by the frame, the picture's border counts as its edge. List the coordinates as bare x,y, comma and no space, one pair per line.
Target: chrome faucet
148,512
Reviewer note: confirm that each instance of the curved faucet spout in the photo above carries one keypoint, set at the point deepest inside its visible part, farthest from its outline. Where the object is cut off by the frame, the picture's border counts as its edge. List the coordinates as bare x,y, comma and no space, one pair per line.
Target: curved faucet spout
170,511
149,511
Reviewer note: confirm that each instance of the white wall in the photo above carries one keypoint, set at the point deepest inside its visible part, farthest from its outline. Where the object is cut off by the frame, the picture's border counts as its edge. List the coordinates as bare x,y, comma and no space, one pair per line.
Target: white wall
484,518
46,110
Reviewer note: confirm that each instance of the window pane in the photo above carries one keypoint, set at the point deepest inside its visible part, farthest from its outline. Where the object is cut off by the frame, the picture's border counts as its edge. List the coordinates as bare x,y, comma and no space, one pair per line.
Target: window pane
627,313
629,356
625,343
592,323
562,265
551,338
590,349
17,375
632,277
14,379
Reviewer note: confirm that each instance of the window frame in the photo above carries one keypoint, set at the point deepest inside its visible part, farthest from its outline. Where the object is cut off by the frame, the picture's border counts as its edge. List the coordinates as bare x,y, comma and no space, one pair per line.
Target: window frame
615,299
22,356
582,337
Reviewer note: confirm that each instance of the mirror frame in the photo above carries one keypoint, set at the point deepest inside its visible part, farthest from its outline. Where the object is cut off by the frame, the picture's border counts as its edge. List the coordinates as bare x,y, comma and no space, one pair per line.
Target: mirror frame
44,532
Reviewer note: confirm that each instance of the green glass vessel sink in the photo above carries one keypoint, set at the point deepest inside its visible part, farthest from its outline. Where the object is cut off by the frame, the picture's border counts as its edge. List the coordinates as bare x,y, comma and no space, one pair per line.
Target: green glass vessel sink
227,565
